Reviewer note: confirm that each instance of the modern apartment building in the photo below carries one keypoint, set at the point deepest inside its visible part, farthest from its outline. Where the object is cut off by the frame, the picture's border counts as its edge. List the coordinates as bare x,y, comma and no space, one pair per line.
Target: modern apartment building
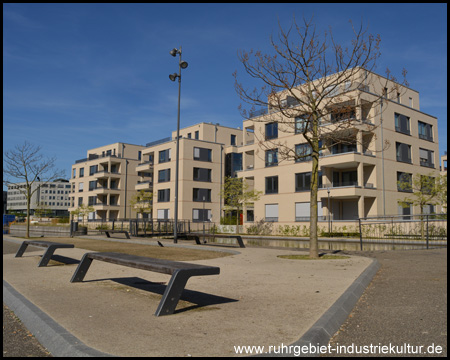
53,198
202,168
106,180
356,178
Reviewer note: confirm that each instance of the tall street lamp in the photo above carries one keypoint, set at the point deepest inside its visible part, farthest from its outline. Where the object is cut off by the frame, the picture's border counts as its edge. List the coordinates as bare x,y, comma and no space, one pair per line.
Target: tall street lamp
173,77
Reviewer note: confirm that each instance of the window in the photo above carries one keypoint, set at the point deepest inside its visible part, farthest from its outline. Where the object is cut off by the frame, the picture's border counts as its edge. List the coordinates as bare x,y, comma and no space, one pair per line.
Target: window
165,156
303,152
202,154
92,185
164,195
425,131
92,200
163,175
411,104
428,209
163,214
80,187
271,131
80,201
81,172
200,195
250,215
139,155
427,184
300,124
404,182
303,211
402,124
426,158
196,135
303,181
93,169
403,152
271,212
342,148
272,185
272,157
189,135
233,139
74,173
201,215
405,210
201,174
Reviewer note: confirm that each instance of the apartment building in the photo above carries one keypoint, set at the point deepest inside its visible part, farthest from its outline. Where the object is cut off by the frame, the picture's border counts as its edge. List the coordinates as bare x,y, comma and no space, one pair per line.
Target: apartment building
52,197
356,178
202,168
106,180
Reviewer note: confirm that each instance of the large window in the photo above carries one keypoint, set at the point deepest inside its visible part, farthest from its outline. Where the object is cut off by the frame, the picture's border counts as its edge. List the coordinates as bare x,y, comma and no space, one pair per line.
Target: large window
403,152
404,181
163,214
272,157
165,156
425,131
402,124
163,175
164,195
81,172
201,154
426,158
200,195
303,181
300,124
271,212
303,152
201,174
272,185
271,131
201,215
303,211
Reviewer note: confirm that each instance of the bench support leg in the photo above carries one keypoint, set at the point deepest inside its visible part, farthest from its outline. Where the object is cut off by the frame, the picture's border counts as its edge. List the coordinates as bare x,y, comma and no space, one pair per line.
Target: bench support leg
22,249
172,294
82,269
240,242
47,255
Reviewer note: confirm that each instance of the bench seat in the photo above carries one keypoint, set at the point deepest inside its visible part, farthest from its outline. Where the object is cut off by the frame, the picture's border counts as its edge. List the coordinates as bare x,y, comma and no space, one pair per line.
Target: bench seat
180,271
50,245
108,232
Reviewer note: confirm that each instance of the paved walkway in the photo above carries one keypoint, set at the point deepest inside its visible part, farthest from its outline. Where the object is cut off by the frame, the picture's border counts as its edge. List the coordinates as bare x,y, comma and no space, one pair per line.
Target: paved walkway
258,299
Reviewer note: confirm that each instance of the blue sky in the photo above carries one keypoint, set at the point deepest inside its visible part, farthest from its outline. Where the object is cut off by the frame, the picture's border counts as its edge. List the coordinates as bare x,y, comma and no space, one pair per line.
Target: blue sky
79,76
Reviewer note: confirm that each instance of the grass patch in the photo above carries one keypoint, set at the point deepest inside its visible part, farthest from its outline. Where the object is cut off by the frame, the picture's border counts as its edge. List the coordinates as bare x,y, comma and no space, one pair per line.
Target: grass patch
168,253
306,257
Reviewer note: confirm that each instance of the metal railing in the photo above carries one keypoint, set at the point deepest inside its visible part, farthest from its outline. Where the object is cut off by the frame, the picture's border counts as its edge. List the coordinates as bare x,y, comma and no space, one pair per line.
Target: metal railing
424,229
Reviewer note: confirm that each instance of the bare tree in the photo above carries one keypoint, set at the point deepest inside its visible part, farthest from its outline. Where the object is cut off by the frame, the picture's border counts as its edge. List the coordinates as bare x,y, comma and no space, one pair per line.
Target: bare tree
320,89
26,164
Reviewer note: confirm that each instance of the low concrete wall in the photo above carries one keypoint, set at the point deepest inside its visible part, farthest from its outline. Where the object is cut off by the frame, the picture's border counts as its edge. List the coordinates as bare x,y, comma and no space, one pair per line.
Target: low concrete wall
47,231
331,243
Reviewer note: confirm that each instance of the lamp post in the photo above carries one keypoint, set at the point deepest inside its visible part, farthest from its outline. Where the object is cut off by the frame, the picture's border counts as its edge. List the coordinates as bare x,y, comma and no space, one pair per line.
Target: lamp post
329,211
173,77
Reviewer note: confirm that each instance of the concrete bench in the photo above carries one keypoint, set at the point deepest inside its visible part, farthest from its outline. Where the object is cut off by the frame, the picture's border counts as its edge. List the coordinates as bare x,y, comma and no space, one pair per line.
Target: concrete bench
51,247
180,271
197,236
108,232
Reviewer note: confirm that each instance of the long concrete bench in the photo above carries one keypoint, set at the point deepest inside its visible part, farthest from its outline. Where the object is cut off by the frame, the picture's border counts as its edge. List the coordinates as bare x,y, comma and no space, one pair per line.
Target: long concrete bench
180,271
197,236
51,247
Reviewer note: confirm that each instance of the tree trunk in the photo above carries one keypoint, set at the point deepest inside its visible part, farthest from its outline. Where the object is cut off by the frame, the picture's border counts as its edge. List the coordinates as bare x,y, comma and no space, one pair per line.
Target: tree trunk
313,240
28,213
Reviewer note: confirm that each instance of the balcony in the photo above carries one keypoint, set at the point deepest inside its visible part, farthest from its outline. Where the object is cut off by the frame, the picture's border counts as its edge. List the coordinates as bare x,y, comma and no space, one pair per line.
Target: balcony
144,185
145,166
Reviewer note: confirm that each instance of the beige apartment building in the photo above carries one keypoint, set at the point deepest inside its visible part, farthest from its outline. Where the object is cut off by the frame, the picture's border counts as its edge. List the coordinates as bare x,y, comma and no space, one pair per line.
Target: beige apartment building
356,178
106,180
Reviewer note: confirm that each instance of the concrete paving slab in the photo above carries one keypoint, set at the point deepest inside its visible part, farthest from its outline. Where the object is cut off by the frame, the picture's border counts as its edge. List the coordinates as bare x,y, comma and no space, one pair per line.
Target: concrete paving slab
258,299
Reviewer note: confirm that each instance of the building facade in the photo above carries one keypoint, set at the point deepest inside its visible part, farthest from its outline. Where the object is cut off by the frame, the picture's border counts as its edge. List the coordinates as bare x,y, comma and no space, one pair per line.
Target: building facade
358,177
106,180
385,144
49,198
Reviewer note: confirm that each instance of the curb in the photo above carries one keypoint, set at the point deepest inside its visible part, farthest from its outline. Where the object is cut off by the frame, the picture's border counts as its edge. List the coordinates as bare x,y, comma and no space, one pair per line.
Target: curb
56,339
330,322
